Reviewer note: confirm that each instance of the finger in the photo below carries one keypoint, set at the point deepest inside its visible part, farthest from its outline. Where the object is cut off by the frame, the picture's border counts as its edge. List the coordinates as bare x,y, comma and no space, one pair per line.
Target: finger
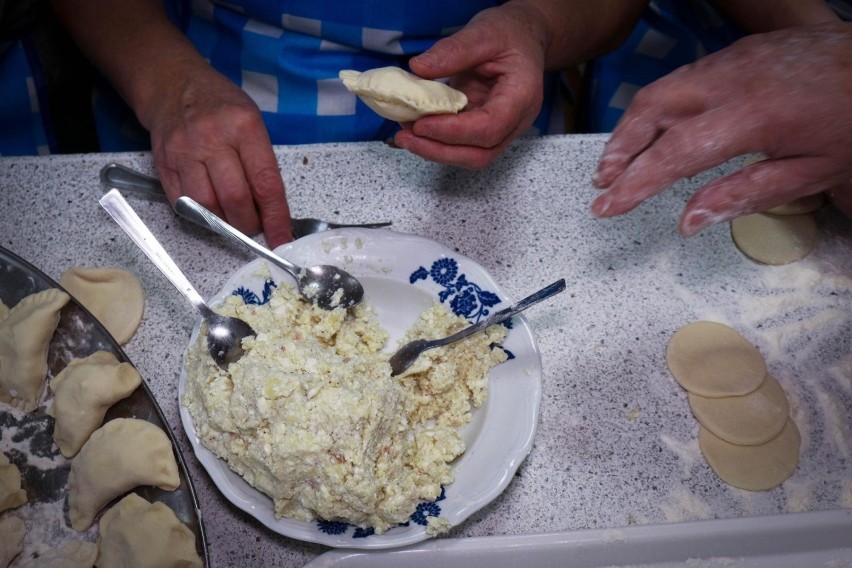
487,126
654,109
686,149
465,49
468,157
194,182
753,189
267,187
232,191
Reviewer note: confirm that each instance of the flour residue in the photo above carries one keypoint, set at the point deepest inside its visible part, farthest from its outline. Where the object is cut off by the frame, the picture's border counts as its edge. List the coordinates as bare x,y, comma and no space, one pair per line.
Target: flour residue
799,493
838,423
688,452
684,505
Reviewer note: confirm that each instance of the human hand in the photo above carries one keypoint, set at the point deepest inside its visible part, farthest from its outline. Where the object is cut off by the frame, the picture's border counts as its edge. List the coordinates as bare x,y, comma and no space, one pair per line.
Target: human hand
784,94
497,60
209,143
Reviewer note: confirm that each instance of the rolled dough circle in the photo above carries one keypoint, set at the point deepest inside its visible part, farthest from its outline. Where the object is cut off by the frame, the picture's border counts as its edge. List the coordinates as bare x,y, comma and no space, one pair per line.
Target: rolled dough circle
755,468
711,359
747,420
775,239
805,204
113,295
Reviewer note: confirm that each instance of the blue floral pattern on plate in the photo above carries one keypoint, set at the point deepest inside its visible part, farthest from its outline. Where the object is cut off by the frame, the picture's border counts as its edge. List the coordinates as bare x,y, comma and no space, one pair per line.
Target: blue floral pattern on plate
466,299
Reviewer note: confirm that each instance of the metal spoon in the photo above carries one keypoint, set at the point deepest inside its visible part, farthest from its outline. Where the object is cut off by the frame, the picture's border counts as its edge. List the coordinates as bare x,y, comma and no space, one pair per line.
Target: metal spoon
224,334
408,353
122,177
326,286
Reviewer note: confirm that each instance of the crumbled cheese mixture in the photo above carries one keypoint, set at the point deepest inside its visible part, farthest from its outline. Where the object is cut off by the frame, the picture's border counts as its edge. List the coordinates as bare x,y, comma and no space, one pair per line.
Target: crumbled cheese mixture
311,416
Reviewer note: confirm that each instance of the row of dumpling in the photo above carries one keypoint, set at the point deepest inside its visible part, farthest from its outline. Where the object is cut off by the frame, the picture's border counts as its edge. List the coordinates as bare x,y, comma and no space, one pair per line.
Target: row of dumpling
134,532
114,296
108,460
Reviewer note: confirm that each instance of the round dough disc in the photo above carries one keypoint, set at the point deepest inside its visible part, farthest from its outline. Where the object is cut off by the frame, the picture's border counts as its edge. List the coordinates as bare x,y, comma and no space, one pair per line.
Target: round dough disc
755,468
747,420
775,239
113,295
713,360
802,205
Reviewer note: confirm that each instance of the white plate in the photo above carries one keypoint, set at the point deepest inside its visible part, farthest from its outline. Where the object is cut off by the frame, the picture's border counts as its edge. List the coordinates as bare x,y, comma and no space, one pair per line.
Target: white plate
402,276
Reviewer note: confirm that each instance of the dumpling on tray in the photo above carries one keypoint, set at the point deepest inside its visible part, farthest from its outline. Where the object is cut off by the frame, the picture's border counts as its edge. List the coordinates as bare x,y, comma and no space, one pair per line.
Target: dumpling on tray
25,335
83,392
120,455
11,493
129,527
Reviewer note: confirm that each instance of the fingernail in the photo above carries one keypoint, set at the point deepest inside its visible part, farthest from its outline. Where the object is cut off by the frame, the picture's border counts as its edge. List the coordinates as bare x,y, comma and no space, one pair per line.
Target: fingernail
601,205
696,221
426,59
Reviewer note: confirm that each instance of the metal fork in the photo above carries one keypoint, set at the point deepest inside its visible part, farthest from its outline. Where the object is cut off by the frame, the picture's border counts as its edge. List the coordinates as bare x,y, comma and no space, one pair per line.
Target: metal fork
122,177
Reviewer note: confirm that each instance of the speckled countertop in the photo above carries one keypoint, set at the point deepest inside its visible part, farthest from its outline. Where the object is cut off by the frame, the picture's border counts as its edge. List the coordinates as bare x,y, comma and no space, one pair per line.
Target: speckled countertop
616,442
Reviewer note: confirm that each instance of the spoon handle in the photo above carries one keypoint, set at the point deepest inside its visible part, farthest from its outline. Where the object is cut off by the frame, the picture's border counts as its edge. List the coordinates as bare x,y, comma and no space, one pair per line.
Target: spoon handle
190,209
127,219
506,313
122,177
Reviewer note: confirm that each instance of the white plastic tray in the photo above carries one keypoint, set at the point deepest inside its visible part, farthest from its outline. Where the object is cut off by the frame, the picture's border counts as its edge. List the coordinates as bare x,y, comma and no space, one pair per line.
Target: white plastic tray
799,540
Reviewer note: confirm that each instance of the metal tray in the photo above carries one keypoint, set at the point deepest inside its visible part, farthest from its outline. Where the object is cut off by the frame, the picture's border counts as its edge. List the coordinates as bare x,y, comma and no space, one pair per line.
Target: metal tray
27,438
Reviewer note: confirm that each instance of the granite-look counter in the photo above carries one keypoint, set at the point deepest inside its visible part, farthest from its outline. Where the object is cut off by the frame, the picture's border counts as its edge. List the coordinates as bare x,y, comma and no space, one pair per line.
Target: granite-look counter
616,442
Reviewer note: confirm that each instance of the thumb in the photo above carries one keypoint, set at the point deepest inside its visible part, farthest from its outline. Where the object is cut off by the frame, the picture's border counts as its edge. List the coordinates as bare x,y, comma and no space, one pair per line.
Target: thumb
452,55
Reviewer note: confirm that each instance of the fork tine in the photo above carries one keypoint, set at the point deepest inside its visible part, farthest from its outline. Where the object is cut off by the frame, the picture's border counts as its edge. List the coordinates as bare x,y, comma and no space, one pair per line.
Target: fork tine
360,225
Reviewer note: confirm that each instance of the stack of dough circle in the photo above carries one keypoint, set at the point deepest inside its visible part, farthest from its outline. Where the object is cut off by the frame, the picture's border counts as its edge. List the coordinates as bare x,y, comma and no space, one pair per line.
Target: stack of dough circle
711,359
780,235
746,434
775,239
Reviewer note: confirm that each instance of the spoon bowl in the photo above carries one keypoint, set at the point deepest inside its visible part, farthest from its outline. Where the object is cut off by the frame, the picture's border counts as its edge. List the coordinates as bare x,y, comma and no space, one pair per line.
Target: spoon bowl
406,355
326,286
225,334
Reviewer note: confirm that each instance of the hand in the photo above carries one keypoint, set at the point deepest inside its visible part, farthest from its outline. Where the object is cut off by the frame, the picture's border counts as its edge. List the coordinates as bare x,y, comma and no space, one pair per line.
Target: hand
785,94
209,142
497,60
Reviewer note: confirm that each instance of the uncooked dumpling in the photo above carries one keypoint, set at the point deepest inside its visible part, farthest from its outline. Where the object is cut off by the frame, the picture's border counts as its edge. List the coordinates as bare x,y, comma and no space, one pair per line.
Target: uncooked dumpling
755,468
713,360
83,392
398,95
114,296
775,239
748,420
25,335
72,554
129,528
12,531
11,493
120,455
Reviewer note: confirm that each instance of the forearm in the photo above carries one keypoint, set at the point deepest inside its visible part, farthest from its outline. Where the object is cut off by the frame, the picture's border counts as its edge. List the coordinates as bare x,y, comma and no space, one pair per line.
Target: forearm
759,16
133,43
580,30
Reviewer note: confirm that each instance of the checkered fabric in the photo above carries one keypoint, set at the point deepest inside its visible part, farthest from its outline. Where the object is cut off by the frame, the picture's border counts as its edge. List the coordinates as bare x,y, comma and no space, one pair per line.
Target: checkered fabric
671,33
286,55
